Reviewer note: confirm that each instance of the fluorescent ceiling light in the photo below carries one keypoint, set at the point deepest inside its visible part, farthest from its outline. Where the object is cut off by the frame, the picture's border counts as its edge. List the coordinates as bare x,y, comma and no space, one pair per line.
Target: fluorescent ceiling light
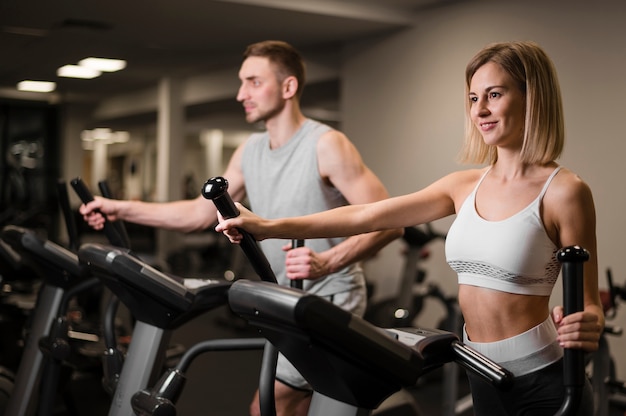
36,86
106,135
76,71
103,64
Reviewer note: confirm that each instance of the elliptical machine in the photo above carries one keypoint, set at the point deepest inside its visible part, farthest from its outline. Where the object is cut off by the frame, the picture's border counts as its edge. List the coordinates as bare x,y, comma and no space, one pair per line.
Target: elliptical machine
353,365
161,303
47,344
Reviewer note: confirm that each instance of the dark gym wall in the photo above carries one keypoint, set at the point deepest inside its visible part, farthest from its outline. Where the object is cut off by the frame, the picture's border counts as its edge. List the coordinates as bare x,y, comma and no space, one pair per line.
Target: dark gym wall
29,166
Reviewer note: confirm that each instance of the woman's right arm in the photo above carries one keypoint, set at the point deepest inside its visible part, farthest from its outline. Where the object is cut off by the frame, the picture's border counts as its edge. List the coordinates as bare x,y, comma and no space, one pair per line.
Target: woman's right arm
431,203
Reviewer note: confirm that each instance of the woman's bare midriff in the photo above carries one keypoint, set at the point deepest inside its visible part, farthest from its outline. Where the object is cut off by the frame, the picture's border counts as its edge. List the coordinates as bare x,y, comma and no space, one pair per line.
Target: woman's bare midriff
491,315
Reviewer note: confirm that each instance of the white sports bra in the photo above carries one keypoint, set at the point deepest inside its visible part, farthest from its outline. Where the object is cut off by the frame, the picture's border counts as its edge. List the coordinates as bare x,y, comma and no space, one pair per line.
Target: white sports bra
514,255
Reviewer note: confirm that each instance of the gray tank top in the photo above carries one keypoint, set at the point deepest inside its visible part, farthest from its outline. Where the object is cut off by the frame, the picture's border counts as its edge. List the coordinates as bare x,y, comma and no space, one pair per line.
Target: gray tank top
285,182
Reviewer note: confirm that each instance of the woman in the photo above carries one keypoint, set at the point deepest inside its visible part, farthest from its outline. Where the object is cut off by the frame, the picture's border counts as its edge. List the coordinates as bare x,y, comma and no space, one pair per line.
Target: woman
511,218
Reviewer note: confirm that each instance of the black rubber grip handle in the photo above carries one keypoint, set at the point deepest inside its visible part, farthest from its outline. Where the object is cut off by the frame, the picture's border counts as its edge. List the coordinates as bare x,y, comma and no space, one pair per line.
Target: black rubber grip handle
216,189
70,222
105,191
296,283
86,196
572,259
483,366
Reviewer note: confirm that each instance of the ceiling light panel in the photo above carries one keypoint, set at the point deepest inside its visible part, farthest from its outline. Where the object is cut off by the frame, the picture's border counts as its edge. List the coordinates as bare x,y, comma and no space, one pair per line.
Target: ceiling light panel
36,86
103,64
77,71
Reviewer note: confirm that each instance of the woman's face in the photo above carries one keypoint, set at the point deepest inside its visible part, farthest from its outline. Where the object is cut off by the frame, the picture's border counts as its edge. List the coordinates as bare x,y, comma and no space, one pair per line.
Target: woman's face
497,106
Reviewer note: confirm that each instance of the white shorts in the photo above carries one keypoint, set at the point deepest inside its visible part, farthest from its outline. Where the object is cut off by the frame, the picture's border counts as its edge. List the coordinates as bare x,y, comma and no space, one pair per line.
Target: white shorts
523,353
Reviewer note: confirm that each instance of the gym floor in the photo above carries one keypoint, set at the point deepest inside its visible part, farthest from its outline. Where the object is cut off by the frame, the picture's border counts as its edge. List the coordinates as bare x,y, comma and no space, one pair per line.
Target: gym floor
219,383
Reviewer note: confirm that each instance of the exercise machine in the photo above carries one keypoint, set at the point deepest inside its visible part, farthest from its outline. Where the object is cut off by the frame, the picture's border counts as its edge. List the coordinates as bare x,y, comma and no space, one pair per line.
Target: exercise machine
61,274
160,302
17,300
353,365
350,361
161,398
402,308
47,344
253,253
609,392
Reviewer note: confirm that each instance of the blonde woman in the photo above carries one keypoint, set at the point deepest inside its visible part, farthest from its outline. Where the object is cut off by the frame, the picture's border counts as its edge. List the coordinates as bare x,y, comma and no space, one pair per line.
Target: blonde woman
511,218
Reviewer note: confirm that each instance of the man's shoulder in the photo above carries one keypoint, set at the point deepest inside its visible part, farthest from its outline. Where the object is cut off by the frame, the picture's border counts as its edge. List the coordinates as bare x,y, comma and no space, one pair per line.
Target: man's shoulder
313,125
255,138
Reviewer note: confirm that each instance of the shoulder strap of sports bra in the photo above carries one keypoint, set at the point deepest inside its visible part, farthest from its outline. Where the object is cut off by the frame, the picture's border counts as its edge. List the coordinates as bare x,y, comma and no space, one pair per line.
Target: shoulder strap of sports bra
480,180
545,186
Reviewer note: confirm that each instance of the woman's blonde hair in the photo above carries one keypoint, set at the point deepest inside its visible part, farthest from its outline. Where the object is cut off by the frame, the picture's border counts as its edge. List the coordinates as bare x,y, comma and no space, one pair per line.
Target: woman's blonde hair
533,71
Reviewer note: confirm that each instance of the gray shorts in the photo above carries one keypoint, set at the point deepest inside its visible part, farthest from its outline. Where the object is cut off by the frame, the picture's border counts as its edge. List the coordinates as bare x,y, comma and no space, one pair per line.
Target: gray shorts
354,301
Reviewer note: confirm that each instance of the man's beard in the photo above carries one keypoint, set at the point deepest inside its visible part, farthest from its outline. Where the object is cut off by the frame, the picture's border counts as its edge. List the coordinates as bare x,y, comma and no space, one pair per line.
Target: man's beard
262,117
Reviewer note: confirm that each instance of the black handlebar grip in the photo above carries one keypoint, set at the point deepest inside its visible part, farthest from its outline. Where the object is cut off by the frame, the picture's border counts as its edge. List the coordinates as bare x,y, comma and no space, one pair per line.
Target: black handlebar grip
216,189
105,191
81,190
572,259
482,366
70,222
109,230
296,283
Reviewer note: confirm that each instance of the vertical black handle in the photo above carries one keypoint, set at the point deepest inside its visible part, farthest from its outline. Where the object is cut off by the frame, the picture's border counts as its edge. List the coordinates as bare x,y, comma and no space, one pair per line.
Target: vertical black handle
109,230
216,189
70,221
572,259
105,191
296,283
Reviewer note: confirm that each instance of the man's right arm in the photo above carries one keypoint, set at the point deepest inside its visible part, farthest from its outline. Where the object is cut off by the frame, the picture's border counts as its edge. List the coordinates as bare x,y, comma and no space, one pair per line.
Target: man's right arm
184,215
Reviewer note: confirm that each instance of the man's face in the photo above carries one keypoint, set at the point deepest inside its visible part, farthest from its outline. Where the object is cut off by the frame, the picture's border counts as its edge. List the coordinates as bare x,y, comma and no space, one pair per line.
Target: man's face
260,92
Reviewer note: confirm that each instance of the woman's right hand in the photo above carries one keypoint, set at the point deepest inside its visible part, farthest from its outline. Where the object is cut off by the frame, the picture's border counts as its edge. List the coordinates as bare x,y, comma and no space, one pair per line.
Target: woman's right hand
246,220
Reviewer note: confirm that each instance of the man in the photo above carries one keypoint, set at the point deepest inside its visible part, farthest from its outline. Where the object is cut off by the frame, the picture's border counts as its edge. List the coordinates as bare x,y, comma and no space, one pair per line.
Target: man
297,166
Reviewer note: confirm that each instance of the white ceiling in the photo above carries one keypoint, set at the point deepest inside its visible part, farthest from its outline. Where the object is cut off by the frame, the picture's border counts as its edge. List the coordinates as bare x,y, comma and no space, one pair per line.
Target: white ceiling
174,37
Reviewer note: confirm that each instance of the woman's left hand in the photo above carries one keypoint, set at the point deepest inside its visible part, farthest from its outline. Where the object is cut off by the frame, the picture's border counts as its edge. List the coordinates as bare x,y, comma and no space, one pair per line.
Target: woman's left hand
580,330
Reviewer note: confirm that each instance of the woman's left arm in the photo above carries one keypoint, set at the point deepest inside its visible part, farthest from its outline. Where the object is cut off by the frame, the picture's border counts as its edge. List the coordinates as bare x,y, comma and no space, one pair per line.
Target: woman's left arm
572,211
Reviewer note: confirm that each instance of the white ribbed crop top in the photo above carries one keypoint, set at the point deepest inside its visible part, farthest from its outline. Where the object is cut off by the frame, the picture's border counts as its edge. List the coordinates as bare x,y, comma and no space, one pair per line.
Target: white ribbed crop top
514,255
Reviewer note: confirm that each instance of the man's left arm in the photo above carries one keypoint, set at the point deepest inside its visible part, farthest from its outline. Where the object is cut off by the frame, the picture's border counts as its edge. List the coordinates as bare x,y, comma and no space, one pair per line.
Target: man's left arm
342,166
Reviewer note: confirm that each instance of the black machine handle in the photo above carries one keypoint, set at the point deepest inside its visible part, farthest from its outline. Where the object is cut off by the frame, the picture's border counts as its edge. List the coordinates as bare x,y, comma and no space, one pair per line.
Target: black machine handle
116,234
216,189
105,191
109,229
477,363
616,293
70,222
296,283
572,259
